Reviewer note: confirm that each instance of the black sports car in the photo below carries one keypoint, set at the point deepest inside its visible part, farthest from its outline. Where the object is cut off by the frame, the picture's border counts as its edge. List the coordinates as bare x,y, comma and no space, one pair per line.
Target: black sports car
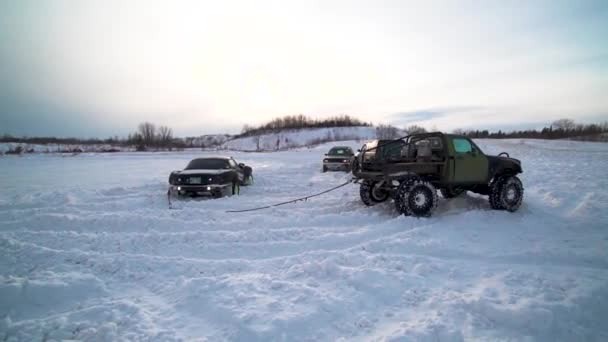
214,176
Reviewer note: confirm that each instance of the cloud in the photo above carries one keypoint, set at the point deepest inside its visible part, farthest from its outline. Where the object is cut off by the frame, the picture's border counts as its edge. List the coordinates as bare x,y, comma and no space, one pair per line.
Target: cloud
425,115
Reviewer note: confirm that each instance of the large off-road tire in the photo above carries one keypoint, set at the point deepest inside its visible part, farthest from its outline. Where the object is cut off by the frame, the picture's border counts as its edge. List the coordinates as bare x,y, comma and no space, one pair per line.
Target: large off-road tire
371,193
417,198
506,193
451,192
494,196
402,185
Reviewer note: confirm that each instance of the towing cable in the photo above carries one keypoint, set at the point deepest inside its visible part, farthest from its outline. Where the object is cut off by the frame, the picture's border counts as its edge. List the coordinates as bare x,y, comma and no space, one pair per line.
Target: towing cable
294,200
281,203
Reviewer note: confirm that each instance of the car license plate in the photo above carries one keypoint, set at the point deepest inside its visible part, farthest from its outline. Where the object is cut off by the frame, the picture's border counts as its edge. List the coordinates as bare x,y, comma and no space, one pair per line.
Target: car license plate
195,180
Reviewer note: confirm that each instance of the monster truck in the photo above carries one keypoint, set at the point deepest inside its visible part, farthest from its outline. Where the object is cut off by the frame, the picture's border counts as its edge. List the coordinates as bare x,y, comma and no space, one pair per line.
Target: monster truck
412,168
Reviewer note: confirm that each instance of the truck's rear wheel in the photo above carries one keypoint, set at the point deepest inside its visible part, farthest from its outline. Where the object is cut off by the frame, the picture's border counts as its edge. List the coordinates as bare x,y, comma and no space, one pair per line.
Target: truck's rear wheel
407,182
506,193
371,193
417,198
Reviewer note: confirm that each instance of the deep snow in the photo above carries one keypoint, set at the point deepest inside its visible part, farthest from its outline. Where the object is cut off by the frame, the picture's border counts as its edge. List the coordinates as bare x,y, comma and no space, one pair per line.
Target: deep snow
90,251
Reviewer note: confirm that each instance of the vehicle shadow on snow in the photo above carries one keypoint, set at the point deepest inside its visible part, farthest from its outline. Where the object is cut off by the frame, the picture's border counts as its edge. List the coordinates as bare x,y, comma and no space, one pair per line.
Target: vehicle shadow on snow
462,203
446,207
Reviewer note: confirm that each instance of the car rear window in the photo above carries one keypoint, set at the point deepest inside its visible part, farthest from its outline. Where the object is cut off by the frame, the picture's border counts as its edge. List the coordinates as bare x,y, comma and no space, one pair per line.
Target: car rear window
340,151
208,164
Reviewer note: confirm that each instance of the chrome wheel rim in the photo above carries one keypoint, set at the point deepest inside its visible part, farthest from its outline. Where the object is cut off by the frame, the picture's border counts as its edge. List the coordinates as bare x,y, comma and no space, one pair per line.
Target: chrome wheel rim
420,199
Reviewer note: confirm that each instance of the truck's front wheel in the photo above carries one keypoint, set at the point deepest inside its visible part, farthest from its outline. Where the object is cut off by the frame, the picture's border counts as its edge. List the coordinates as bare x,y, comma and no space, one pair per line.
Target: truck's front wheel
506,193
417,198
371,193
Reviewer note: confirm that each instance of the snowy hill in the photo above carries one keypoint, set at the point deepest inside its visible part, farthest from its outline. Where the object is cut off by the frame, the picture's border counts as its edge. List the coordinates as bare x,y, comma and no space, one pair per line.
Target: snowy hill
299,138
90,252
210,140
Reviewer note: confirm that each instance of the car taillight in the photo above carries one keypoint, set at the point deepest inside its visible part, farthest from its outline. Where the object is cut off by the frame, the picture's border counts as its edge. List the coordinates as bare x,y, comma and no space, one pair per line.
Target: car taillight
326,160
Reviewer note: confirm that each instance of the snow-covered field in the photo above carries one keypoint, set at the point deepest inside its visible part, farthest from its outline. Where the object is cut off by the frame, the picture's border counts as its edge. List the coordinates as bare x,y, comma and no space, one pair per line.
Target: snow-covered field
89,251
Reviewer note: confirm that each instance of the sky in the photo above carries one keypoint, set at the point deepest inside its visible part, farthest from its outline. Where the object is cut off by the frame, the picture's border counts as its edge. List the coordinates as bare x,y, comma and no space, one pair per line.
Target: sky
98,68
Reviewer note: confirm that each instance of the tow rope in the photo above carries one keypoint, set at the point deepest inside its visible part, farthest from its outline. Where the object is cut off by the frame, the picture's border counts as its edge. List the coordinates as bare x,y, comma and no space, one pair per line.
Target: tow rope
294,200
276,204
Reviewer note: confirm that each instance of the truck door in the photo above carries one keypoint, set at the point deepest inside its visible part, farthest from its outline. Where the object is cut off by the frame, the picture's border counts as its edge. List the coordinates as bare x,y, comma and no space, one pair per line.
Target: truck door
470,164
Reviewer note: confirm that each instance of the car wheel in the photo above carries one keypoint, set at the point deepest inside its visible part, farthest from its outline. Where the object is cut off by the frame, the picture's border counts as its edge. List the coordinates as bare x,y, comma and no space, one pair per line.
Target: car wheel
324,168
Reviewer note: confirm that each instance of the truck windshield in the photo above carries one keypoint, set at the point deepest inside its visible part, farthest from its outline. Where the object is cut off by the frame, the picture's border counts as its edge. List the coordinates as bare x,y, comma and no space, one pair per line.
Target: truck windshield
208,164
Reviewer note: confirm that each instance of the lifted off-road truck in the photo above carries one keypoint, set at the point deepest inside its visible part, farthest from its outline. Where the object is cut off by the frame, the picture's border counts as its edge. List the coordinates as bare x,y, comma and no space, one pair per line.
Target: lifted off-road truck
412,168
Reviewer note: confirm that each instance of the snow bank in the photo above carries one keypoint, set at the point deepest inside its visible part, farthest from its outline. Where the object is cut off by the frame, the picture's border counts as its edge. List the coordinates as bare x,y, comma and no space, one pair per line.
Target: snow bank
299,138
91,252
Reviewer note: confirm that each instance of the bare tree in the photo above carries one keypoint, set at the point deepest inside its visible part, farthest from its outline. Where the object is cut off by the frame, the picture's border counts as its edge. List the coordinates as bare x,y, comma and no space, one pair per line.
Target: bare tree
165,135
147,131
387,132
415,129
564,124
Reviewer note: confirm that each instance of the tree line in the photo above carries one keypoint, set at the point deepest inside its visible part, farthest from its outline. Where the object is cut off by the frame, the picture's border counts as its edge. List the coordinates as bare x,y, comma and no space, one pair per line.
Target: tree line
387,132
300,121
559,129
148,136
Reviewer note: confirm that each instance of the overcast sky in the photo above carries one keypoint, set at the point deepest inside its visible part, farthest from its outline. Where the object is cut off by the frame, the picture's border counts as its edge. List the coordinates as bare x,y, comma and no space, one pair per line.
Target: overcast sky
97,68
